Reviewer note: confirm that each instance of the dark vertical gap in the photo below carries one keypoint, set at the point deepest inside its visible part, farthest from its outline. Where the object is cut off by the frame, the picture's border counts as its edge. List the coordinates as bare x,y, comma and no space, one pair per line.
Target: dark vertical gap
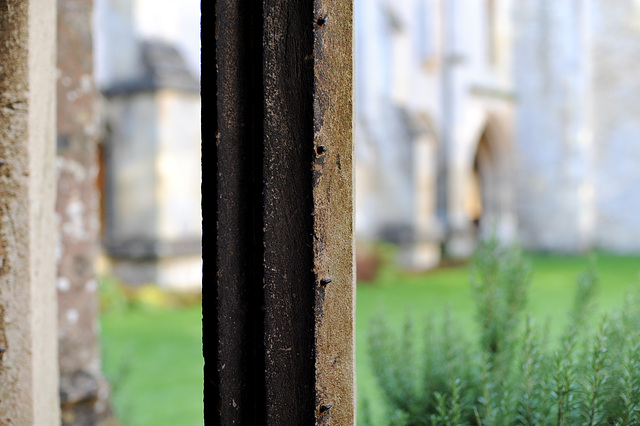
477,221
209,208
311,121
106,199
101,184
239,298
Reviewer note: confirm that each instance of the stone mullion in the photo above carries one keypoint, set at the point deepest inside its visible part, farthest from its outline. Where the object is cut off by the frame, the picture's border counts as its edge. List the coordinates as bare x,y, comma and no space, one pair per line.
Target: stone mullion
283,336
83,390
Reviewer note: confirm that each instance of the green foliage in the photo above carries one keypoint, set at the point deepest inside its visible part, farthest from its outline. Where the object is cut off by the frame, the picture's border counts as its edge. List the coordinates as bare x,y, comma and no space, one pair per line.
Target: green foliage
500,278
510,373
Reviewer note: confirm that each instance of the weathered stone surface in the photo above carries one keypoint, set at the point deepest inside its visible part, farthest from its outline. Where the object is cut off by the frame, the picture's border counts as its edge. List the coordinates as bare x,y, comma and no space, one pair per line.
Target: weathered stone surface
28,344
616,124
577,125
333,213
553,138
83,390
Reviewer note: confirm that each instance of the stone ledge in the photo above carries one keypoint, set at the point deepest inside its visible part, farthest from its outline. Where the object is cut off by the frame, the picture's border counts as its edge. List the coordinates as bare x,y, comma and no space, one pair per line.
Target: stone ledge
147,249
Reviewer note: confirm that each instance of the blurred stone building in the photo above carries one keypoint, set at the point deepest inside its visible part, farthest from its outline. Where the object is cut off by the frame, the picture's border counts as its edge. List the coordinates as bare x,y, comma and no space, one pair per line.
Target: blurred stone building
434,119
519,117
147,67
578,127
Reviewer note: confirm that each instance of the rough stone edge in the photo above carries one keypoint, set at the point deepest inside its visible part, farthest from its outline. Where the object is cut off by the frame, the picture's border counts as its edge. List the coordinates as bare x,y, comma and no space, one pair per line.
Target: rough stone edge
333,213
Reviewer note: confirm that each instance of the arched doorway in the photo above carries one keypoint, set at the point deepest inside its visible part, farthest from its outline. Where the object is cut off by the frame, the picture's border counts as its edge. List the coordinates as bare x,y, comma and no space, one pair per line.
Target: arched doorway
487,200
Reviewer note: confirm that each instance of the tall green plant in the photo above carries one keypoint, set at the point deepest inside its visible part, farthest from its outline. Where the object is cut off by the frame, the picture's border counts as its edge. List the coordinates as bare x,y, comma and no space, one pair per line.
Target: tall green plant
500,279
511,374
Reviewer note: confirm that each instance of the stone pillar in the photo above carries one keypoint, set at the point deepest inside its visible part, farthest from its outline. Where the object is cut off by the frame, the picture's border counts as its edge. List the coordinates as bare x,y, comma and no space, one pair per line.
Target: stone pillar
461,238
83,390
280,321
423,250
28,344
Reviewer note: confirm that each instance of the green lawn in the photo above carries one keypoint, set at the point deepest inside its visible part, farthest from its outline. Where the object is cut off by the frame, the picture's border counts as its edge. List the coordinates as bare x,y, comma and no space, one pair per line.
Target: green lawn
395,293
153,355
153,359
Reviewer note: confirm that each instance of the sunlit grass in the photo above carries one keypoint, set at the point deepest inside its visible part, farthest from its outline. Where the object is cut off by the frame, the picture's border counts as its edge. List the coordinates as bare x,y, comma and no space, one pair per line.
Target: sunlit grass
152,355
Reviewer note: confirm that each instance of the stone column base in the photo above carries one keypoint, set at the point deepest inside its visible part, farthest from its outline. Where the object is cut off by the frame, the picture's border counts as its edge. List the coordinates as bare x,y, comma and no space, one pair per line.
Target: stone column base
84,399
460,244
420,256
175,273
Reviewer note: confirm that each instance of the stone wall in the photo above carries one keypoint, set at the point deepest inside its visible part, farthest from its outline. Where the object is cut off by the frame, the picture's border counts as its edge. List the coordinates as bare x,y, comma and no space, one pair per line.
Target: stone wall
28,335
616,123
577,124
553,138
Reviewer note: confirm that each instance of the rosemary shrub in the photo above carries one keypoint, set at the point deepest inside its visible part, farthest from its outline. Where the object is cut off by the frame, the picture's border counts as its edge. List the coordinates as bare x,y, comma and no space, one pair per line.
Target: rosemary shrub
511,374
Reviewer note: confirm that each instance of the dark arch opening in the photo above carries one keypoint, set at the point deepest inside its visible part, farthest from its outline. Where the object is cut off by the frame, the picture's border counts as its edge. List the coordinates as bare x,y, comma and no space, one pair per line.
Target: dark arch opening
483,203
